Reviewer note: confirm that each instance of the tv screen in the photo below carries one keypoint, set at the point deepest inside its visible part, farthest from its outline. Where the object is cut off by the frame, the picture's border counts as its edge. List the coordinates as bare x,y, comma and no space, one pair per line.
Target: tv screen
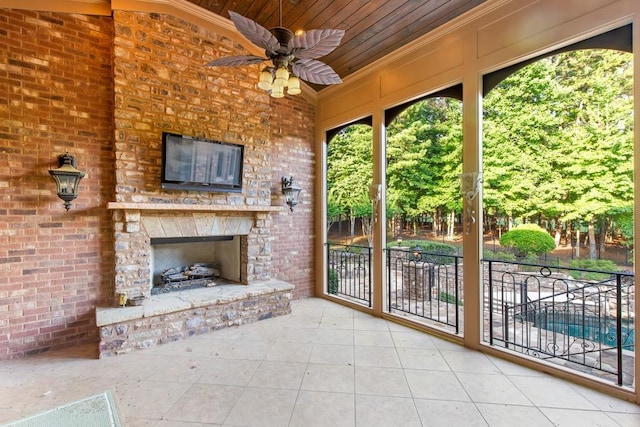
200,164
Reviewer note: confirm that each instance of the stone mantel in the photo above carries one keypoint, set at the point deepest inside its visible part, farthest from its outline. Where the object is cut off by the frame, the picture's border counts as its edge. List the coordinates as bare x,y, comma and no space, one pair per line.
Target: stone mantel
191,207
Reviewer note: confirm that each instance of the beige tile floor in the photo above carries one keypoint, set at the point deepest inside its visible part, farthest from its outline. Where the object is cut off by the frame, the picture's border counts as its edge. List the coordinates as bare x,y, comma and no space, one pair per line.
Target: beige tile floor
323,365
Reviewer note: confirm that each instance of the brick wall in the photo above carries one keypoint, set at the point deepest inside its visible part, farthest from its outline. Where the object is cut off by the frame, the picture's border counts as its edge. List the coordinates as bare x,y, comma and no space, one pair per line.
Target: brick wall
161,84
292,154
56,95
61,90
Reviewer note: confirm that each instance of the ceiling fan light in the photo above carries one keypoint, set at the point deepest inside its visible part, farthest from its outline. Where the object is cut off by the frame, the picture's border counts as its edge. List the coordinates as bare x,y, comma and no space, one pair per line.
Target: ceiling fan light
264,86
282,76
277,91
293,86
265,79
282,73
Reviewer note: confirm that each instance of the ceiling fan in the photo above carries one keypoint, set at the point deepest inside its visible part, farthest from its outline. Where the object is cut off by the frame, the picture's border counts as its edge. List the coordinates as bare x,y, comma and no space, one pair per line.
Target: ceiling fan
293,56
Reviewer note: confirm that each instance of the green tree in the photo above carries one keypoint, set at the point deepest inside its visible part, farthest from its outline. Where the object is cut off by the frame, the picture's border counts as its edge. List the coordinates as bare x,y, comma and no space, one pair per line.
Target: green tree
334,213
521,127
424,160
349,174
598,115
558,141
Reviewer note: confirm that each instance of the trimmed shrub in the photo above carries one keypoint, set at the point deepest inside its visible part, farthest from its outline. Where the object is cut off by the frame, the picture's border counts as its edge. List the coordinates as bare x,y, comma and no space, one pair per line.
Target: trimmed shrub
427,246
528,239
597,264
333,281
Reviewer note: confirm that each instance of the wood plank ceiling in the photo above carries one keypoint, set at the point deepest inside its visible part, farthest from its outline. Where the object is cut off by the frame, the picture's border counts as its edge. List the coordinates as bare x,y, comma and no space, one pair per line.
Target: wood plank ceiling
373,28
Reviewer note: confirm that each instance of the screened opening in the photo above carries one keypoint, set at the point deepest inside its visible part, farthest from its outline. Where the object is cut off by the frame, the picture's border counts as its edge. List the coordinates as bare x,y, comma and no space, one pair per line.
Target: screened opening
558,209
424,210
350,212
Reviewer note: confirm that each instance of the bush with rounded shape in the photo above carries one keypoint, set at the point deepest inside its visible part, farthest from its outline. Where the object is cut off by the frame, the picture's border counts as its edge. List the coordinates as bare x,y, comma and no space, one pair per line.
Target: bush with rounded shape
528,239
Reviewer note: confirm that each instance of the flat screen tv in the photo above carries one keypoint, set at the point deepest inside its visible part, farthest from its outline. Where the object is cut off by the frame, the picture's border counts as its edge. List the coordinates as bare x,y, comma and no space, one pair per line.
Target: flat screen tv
199,164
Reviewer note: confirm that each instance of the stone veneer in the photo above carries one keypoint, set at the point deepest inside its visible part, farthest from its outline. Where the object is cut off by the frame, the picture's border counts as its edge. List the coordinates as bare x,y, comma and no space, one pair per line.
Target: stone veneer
137,223
160,85
175,316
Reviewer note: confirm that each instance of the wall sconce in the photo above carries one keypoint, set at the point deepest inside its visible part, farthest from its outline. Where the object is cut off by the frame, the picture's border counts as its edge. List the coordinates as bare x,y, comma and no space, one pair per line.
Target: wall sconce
291,191
469,189
67,178
417,253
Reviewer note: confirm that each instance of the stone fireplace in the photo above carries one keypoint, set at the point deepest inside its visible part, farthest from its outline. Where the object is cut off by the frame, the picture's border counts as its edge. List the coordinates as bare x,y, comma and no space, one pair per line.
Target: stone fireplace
241,236
136,231
153,95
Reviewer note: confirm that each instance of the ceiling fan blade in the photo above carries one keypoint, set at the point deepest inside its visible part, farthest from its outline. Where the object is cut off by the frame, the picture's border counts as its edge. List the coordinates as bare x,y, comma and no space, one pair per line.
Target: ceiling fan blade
233,61
315,43
256,33
315,72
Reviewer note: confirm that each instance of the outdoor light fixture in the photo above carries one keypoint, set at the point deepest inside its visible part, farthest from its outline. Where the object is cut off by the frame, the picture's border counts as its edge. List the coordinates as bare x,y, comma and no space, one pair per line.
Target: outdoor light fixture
469,189
417,253
291,191
67,178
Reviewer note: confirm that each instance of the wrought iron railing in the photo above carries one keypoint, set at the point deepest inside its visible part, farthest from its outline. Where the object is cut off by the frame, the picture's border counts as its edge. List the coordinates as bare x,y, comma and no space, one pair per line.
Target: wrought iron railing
349,272
582,319
426,285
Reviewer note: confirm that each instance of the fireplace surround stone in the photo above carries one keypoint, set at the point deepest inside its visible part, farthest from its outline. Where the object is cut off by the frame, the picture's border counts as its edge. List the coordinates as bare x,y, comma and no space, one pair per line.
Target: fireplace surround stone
177,315
135,224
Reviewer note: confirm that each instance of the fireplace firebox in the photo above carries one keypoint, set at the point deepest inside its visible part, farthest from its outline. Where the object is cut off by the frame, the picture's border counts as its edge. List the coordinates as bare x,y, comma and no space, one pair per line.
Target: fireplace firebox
181,263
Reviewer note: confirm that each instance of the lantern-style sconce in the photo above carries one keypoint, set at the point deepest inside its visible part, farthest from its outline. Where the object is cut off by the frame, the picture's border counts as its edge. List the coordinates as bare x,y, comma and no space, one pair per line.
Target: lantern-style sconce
469,189
291,191
417,253
67,178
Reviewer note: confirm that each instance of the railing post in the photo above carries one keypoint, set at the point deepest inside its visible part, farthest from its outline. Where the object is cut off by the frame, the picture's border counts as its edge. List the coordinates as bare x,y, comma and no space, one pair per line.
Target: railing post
388,279
505,321
490,267
370,254
619,325
456,278
328,272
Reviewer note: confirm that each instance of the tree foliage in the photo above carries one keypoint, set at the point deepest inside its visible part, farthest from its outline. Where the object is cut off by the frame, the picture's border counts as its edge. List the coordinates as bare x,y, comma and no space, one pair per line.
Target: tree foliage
557,151
424,158
558,141
349,173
